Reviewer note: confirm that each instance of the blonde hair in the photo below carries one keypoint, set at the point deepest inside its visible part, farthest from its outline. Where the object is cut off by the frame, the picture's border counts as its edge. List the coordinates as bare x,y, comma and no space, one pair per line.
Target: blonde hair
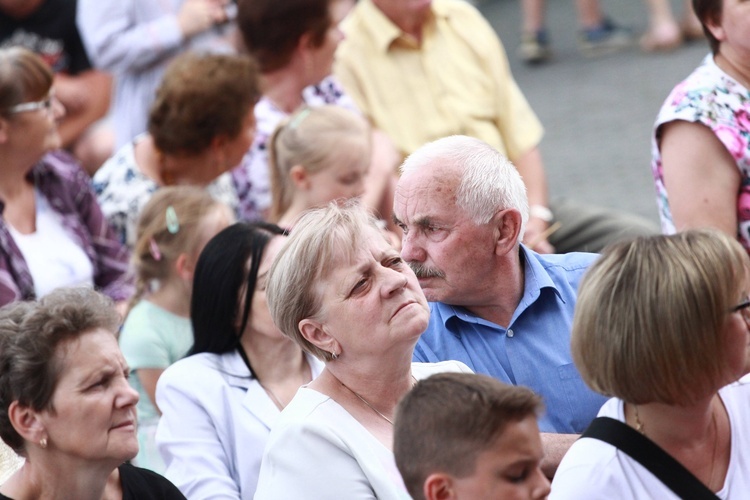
169,225
310,138
309,255
650,316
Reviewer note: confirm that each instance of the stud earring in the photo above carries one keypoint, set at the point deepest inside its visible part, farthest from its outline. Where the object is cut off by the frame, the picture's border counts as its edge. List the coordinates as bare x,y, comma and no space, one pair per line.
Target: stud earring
43,442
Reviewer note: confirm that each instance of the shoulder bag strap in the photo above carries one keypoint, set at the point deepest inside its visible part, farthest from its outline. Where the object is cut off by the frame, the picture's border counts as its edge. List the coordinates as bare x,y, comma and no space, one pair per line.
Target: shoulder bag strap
641,449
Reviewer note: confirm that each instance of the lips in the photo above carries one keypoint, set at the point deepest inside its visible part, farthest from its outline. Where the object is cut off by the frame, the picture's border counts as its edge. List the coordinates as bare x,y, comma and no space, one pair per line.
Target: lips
124,424
402,306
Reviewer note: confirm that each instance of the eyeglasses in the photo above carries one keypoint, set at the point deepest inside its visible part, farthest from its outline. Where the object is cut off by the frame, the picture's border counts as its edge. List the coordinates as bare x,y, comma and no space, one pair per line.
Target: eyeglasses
24,107
742,307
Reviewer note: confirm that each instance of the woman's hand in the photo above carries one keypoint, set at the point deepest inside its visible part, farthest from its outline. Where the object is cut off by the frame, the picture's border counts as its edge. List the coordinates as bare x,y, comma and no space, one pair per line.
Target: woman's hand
197,16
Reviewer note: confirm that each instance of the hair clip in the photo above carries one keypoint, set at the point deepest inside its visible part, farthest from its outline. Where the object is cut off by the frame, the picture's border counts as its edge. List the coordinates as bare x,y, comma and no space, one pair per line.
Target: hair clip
173,223
297,120
154,249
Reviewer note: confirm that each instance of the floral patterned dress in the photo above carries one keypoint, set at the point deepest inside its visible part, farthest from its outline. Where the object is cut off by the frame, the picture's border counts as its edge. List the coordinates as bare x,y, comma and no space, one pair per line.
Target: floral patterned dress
253,171
715,99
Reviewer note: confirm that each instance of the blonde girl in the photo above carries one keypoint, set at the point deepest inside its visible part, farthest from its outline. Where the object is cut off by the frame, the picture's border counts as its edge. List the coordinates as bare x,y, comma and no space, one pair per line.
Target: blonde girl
317,155
173,228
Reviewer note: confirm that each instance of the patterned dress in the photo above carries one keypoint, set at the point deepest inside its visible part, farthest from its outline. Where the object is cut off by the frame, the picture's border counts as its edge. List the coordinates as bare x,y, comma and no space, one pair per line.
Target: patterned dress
253,171
710,97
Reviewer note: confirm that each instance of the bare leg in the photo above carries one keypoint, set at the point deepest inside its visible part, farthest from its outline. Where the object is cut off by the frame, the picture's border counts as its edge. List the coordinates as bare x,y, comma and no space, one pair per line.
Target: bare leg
589,13
663,31
533,15
691,26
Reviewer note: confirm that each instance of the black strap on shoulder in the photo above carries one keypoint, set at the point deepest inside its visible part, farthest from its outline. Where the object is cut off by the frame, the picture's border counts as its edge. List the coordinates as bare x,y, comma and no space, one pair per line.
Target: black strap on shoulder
641,449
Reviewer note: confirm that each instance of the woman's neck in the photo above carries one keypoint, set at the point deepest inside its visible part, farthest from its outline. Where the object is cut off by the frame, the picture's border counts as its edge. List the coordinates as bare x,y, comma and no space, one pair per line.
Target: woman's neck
733,65
48,478
166,169
381,384
284,89
274,359
698,436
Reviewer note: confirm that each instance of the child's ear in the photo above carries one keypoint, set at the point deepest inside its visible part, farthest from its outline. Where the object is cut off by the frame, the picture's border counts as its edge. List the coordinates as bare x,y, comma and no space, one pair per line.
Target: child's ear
184,266
438,486
299,177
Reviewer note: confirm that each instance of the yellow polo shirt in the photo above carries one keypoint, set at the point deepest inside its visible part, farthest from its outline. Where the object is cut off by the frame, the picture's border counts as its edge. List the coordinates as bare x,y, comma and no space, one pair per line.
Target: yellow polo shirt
457,82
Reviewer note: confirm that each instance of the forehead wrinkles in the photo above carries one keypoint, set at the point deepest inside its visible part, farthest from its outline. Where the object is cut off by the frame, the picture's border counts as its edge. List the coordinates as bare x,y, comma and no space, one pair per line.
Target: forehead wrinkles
420,195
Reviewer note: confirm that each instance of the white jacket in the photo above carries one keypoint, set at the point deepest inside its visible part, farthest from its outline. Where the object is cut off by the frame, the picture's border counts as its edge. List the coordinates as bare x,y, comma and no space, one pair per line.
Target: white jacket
214,426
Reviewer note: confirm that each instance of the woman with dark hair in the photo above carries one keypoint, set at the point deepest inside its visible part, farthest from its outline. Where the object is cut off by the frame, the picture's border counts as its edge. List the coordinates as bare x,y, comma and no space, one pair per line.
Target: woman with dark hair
45,198
65,402
294,42
700,150
200,126
219,404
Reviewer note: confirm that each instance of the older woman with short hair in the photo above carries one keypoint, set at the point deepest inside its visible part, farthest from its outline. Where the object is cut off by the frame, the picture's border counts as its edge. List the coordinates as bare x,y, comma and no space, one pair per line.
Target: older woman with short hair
343,293
200,126
661,324
65,402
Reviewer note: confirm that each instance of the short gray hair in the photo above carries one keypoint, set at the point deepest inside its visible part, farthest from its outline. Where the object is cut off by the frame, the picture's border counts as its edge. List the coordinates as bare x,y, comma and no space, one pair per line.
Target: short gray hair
30,337
308,256
489,181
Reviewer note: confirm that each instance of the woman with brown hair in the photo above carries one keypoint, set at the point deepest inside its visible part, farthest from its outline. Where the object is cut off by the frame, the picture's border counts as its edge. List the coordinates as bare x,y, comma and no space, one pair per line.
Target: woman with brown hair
45,197
65,402
294,42
200,126
662,325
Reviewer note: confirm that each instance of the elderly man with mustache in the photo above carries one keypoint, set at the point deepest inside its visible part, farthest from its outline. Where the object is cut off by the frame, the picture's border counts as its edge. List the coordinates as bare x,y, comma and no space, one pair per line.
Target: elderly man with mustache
496,305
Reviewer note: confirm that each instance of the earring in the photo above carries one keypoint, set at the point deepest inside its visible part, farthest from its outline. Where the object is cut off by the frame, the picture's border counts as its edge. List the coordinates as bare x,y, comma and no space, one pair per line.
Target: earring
334,356
43,442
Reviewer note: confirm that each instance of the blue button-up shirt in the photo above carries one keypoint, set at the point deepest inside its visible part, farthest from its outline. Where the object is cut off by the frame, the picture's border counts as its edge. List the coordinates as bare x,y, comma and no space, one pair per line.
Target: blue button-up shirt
534,351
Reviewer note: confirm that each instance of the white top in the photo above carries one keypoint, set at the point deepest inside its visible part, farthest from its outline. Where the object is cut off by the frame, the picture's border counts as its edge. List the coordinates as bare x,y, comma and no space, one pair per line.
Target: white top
214,426
593,469
318,450
67,265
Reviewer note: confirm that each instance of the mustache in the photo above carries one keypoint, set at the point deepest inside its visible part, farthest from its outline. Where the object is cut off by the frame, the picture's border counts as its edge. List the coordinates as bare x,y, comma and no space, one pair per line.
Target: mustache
423,271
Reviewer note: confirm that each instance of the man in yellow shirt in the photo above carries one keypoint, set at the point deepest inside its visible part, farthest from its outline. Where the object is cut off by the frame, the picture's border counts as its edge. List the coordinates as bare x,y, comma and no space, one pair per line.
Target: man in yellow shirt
421,70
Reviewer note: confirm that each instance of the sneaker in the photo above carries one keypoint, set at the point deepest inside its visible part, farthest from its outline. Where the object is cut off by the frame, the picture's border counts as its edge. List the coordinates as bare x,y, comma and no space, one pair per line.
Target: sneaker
534,48
604,39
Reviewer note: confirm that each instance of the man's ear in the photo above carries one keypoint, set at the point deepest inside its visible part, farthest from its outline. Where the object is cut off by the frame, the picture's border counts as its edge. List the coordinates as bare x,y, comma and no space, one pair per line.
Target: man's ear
26,422
507,226
314,332
438,486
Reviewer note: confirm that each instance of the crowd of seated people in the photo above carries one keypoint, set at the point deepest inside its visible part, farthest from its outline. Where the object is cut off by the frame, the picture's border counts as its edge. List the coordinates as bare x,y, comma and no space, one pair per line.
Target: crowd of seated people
218,311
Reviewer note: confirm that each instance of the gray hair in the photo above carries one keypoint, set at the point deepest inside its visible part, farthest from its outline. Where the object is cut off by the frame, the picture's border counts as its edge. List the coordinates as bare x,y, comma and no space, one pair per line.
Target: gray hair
489,181
312,251
30,337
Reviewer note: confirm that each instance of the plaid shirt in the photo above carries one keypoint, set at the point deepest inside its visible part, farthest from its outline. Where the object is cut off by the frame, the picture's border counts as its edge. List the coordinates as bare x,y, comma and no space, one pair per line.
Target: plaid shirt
59,178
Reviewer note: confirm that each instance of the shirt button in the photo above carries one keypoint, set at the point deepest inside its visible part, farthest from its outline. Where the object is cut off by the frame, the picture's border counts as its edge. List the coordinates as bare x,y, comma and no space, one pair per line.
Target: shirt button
510,333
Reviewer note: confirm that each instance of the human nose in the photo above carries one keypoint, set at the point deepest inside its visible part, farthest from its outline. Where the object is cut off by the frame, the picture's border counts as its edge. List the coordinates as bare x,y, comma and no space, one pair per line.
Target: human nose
411,250
127,396
393,280
58,108
541,486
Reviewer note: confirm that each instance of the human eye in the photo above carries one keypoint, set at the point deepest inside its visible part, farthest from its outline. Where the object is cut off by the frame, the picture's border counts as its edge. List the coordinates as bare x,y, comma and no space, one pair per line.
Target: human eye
360,286
394,262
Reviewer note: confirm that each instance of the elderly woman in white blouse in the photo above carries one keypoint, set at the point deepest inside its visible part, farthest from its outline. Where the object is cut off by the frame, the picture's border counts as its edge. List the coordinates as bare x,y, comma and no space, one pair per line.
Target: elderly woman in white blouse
343,293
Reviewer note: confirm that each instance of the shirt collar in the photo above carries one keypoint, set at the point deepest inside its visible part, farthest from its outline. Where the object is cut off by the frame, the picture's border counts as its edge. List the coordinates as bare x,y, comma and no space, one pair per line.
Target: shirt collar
536,278
383,31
